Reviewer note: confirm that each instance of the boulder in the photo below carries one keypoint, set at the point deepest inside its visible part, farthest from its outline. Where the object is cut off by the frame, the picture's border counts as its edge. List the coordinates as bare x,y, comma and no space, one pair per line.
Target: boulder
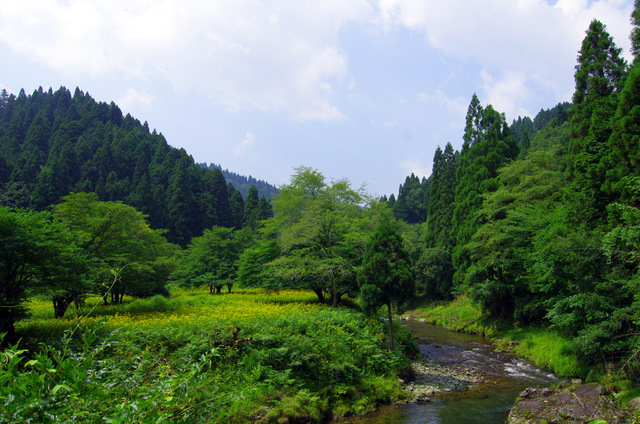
575,403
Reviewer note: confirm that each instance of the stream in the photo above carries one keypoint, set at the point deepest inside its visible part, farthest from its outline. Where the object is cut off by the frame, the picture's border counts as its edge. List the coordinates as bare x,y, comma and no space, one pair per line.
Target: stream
505,377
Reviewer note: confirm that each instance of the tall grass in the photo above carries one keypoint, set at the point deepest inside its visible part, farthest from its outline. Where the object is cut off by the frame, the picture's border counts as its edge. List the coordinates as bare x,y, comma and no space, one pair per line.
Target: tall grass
245,357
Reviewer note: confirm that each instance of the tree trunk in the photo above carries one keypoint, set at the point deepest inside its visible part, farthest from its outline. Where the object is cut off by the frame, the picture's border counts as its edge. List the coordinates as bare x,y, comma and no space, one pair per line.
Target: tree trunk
390,325
61,303
60,306
229,287
320,295
335,299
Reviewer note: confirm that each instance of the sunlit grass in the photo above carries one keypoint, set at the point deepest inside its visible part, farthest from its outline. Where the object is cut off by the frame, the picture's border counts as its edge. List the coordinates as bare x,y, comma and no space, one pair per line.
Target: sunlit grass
457,315
292,359
185,309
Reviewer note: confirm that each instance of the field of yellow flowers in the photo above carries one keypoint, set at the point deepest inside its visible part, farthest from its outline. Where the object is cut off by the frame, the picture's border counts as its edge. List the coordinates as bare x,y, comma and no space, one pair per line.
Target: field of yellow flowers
248,356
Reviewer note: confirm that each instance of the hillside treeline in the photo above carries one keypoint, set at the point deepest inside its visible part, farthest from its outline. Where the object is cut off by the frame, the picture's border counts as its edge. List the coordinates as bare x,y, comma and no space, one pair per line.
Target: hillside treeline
56,143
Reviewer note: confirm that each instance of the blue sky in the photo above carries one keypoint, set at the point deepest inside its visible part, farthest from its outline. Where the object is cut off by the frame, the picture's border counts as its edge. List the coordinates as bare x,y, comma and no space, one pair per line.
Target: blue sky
358,89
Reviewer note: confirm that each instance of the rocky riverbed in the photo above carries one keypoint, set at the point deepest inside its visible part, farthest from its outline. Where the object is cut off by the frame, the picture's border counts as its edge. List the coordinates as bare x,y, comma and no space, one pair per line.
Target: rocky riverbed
434,374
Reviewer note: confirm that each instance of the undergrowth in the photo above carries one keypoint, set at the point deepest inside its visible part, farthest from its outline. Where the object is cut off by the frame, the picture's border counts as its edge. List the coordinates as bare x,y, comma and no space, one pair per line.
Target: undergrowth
244,357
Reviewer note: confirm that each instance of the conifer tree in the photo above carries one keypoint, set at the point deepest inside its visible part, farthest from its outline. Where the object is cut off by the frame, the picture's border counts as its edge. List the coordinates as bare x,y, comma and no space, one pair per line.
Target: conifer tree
215,200
236,206
251,214
442,197
599,77
385,277
487,146
624,143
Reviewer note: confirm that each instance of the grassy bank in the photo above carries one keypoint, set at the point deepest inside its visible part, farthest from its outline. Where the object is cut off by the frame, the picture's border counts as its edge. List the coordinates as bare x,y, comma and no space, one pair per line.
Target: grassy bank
243,357
543,346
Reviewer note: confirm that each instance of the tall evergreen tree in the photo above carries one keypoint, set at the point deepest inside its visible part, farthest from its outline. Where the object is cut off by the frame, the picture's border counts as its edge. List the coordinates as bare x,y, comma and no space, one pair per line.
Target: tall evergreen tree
443,183
385,277
410,205
624,143
599,77
251,214
236,206
215,200
487,146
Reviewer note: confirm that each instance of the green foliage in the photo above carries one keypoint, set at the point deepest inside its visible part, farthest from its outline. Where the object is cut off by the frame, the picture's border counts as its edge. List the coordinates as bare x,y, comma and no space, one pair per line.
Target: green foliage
113,236
635,31
504,243
308,366
254,269
412,203
210,260
53,144
442,196
36,254
459,314
487,146
385,277
322,229
623,161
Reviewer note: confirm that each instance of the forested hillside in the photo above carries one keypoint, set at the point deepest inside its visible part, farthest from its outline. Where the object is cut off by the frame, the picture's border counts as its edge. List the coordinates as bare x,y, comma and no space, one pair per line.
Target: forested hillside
53,143
243,183
539,222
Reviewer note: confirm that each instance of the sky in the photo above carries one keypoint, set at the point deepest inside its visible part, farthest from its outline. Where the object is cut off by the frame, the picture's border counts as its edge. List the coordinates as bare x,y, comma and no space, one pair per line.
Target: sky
359,89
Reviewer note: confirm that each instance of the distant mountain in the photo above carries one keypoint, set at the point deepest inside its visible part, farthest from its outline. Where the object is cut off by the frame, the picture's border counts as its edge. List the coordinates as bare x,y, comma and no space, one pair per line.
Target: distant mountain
243,184
53,143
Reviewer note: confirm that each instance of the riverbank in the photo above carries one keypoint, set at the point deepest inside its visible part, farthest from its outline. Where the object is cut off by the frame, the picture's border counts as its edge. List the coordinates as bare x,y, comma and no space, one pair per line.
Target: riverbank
545,347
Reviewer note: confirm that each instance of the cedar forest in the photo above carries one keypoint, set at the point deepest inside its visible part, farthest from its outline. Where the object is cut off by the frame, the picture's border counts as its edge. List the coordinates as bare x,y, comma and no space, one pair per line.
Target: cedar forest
537,222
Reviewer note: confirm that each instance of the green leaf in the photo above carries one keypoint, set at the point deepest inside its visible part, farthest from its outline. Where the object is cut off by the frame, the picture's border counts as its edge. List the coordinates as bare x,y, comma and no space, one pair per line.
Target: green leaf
59,387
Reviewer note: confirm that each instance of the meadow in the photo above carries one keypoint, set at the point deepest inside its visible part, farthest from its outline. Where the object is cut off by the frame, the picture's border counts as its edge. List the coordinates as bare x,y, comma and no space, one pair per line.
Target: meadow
249,356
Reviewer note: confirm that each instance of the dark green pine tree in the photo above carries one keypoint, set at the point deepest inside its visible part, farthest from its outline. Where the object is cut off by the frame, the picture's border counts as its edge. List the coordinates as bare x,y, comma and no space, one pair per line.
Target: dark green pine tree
410,204
624,143
488,145
181,205
265,210
251,214
34,151
215,200
385,277
599,77
392,201
433,268
236,206
443,184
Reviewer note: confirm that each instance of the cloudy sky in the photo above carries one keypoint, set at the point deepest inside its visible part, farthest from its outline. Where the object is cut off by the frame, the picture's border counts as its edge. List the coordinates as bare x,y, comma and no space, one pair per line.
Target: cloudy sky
362,89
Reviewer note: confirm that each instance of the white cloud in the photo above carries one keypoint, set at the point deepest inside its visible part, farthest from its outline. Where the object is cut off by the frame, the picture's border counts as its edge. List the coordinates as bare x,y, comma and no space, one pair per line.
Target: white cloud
133,99
527,46
248,140
412,166
504,93
276,56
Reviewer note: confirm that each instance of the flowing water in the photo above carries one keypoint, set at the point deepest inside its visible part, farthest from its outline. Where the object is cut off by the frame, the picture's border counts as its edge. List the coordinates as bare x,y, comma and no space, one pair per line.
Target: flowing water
506,376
